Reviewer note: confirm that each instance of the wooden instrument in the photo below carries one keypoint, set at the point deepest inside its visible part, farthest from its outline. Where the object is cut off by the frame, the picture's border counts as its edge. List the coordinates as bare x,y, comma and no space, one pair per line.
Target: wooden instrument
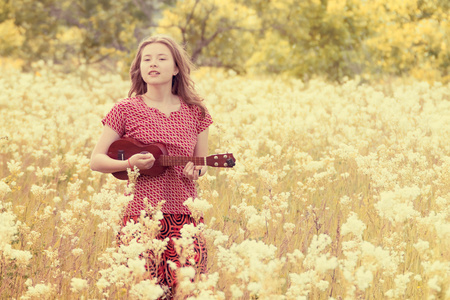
124,148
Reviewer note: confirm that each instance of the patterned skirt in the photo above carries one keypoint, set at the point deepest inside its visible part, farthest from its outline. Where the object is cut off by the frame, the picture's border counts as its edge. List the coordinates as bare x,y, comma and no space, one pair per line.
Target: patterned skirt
171,225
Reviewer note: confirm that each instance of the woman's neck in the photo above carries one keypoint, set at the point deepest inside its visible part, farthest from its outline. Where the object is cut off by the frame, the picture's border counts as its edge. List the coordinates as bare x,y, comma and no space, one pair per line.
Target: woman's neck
159,94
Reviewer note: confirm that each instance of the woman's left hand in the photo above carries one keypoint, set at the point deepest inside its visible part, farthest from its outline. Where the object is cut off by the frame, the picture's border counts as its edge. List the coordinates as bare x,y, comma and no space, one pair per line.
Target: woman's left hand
191,171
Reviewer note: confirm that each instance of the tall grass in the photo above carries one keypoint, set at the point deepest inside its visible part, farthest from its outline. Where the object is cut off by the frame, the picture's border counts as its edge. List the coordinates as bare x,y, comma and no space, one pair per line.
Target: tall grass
339,191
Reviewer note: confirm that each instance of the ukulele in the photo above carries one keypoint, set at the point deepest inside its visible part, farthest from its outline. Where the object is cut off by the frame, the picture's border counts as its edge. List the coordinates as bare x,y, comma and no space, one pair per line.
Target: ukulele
124,148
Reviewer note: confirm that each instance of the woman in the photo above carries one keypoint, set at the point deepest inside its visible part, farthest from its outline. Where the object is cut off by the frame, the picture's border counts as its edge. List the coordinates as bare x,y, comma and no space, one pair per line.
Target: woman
162,107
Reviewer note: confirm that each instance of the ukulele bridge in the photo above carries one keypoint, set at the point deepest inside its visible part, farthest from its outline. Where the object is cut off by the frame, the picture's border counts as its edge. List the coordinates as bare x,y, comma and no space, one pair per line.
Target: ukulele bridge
121,155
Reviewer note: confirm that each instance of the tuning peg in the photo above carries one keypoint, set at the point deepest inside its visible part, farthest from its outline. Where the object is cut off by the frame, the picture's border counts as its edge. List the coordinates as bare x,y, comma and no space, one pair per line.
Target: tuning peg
230,162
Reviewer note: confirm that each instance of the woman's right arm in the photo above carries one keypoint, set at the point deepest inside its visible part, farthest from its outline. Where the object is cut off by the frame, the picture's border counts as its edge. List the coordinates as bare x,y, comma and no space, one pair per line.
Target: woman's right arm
101,162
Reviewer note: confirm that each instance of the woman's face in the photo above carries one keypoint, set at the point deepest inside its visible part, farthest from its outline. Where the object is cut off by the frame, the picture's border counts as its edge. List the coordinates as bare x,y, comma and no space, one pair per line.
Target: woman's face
157,65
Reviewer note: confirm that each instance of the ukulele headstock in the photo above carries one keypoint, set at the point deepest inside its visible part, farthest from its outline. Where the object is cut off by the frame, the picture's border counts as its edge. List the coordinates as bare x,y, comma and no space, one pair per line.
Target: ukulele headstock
226,160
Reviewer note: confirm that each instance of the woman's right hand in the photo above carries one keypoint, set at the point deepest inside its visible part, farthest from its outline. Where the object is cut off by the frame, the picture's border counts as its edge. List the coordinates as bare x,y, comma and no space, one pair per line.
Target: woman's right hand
143,161
101,162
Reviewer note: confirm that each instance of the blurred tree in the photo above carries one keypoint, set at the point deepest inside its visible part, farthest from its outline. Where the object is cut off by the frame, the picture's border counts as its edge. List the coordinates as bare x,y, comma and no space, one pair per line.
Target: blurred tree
410,37
304,38
297,37
11,37
337,38
216,33
38,21
80,32
331,38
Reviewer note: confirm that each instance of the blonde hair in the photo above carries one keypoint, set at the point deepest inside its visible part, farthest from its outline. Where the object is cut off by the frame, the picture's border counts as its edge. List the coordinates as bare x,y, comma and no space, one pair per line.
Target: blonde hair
182,84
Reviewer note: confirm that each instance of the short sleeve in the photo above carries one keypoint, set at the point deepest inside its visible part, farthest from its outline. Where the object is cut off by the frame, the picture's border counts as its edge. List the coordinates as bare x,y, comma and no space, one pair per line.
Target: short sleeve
203,122
116,119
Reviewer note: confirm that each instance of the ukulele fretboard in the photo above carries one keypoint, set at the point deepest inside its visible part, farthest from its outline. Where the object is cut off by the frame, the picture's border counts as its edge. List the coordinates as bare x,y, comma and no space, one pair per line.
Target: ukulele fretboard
166,160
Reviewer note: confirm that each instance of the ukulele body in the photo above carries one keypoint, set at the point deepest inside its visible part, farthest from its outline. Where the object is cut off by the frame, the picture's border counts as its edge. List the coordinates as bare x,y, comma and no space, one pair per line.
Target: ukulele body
124,148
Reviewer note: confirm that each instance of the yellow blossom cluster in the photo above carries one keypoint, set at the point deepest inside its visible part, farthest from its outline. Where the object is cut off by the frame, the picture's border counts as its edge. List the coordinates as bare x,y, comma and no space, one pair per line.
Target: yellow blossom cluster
339,192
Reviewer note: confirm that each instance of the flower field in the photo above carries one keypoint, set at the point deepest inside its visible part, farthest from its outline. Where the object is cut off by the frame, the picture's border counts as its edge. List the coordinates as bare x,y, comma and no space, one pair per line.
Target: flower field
339,191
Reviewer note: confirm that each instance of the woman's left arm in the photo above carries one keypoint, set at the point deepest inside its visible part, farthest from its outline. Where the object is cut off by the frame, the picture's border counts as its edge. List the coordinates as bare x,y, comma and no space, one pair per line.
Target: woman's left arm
201,149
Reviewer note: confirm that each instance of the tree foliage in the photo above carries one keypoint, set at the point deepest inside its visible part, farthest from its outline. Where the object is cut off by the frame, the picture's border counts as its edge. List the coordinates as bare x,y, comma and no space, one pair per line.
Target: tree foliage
217,33
331,38
78,32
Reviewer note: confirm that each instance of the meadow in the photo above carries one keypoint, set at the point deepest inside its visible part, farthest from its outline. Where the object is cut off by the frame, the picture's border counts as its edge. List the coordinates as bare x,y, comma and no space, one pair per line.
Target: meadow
340,191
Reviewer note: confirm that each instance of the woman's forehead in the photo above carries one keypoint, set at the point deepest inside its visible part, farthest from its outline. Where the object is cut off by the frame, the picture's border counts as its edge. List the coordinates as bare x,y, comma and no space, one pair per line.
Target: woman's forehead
156,49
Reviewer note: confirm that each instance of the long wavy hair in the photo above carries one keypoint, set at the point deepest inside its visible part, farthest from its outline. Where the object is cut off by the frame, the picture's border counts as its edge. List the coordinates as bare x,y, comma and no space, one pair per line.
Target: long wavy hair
182,83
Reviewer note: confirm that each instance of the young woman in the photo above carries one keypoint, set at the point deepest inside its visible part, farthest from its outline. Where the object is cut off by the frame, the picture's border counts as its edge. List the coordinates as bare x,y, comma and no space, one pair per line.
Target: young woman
163,107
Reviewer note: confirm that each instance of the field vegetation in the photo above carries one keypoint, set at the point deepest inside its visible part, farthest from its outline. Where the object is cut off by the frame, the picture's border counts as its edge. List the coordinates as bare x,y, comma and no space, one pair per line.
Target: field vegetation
337,112
340,191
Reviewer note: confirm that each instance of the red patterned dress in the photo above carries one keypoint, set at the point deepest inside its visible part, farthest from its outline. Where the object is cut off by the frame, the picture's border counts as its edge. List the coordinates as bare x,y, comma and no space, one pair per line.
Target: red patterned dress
132,118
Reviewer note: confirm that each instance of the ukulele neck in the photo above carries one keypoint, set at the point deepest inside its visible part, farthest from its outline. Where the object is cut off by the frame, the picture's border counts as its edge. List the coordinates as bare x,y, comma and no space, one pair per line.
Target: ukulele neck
168,161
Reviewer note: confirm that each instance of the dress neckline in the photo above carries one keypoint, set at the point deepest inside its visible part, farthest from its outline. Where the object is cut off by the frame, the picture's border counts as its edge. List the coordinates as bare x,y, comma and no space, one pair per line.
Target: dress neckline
141,98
